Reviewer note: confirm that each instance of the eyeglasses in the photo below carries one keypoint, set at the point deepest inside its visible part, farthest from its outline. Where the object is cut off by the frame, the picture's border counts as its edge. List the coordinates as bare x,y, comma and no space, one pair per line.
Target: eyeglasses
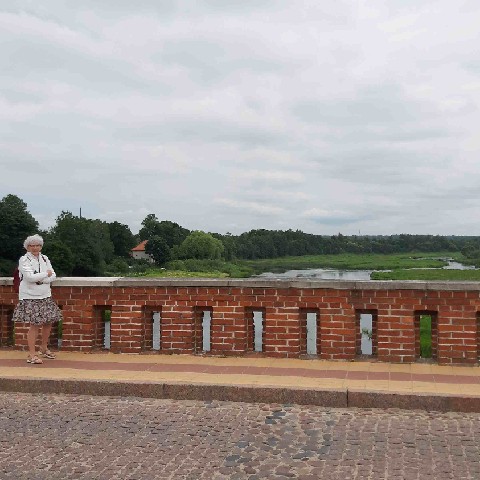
35,246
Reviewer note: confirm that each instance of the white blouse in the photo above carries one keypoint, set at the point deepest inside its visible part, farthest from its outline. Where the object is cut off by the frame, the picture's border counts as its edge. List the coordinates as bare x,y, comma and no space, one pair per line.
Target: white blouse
35,282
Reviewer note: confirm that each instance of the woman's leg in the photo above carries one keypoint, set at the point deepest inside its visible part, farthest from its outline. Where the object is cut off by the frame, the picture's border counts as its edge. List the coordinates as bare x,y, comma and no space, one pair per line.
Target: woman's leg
32,339
46,329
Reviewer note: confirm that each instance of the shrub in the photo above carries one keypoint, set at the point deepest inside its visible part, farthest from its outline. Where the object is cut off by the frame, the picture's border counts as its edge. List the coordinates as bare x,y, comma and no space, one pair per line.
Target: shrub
176,265
118,266
7,267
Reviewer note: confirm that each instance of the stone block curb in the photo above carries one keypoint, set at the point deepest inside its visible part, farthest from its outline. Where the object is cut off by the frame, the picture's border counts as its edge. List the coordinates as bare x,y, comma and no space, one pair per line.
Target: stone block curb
417,401
335,398
177,391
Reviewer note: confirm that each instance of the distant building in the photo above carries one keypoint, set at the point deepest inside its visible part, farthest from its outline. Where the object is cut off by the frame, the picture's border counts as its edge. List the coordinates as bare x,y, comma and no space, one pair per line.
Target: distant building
139,253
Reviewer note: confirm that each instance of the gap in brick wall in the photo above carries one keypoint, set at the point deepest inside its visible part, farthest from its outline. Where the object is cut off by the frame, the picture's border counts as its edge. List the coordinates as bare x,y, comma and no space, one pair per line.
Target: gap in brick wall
478,336
157,330
101,327
106,319
202,329
7,328
425,336
258,330
56,334
312,333
206,328
366,332
10,329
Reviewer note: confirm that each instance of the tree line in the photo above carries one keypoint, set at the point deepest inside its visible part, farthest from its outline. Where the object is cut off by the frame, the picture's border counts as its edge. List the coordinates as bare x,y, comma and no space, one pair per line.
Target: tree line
260,243
80,246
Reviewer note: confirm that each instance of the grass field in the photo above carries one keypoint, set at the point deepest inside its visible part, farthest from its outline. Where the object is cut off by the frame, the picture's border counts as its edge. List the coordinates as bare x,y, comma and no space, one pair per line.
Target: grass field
441,275
157,272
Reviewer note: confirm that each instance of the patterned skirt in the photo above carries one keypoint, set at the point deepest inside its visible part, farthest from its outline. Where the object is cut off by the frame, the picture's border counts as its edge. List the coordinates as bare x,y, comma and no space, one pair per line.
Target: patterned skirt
37,312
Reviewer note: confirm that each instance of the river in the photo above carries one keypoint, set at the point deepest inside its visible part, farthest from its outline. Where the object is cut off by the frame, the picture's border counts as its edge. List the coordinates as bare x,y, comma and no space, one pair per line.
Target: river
333,274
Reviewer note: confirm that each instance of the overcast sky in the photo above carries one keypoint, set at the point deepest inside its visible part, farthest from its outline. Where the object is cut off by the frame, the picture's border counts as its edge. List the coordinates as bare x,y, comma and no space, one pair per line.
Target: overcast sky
227,115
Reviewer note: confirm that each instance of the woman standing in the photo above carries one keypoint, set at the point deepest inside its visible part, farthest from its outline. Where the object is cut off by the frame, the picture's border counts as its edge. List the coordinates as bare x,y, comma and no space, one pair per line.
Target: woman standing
36,305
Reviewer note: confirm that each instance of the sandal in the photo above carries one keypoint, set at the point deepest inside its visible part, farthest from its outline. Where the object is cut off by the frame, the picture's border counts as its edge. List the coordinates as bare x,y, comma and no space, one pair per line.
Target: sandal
34,360
48,354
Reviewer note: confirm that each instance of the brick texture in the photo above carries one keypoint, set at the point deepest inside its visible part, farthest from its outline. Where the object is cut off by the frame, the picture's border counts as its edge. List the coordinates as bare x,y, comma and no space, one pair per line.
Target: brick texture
282,311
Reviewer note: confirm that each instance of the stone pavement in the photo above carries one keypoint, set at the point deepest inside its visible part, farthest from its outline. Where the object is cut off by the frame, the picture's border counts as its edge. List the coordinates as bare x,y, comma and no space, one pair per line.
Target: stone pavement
61,437
249,379
138,417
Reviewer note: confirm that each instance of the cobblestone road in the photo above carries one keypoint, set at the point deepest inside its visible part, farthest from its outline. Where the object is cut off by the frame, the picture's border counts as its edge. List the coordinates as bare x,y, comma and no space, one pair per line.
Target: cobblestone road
54,437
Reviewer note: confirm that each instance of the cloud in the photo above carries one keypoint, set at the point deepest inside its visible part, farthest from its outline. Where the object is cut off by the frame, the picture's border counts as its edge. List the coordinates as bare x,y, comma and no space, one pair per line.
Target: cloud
250,208
271,176
333,217
223,115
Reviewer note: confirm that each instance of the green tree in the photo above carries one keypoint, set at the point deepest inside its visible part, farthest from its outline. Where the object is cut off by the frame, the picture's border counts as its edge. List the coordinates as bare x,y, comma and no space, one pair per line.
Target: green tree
122,238
60,255
89,240
229,244
149,227
16,224
101,234
200,245
471,251
158,248
172,232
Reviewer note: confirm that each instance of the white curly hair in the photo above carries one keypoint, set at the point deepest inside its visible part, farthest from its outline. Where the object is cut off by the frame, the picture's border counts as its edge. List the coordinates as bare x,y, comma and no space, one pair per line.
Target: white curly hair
37,239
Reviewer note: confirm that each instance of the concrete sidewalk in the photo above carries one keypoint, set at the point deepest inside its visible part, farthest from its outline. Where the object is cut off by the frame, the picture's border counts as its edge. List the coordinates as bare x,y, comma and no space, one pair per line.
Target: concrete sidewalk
250,379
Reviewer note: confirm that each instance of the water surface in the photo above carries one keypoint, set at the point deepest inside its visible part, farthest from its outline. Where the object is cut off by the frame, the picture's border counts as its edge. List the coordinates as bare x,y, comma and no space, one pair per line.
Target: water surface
335,274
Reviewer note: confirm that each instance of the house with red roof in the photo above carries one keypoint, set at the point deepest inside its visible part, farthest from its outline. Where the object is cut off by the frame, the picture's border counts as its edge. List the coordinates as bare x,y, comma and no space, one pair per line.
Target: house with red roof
139,253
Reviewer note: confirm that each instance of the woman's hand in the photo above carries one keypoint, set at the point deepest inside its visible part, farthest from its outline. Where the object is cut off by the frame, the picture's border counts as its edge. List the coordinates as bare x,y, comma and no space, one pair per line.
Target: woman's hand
49,273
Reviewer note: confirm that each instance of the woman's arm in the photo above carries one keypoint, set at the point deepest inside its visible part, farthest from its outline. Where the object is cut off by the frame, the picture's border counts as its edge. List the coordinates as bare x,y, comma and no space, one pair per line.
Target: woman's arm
27,270
53,276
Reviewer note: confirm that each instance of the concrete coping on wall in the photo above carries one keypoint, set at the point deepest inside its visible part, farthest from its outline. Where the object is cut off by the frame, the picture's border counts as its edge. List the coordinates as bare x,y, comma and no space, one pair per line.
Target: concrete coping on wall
258,283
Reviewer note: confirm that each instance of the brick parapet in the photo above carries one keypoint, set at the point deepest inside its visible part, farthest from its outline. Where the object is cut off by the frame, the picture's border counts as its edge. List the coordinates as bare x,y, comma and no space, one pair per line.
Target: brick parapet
283,304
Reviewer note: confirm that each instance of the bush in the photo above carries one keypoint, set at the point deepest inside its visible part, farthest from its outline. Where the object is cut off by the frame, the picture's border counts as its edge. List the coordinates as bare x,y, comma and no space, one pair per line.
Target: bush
176,265
200,245
197,265
139,266
7,267
118,266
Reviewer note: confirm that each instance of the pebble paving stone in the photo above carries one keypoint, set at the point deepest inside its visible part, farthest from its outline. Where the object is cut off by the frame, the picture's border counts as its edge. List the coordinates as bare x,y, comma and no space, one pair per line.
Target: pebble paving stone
60,437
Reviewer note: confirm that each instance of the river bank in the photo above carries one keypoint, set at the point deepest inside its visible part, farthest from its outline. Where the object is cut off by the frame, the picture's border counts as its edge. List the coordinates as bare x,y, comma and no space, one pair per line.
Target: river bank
407,266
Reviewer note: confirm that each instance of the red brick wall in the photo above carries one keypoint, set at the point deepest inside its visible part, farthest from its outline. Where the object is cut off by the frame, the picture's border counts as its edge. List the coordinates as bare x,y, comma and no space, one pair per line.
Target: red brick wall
395,307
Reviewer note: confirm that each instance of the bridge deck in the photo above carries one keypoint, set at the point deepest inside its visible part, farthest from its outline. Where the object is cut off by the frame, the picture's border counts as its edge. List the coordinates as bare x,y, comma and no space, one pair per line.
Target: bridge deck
250,379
